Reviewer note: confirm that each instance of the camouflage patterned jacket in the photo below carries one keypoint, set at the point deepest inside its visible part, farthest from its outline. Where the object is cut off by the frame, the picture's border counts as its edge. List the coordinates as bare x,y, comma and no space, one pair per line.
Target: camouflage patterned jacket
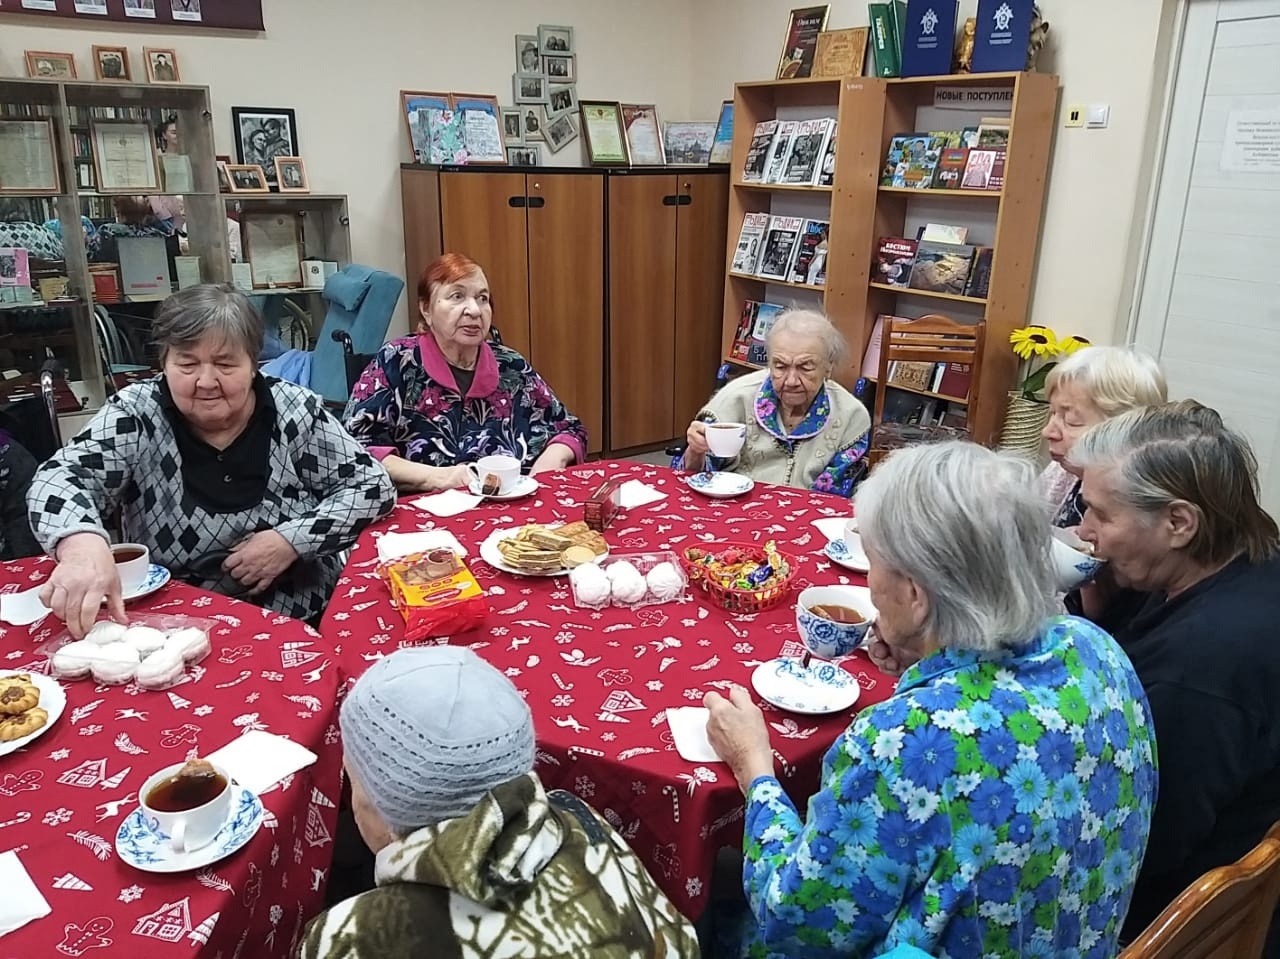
526,875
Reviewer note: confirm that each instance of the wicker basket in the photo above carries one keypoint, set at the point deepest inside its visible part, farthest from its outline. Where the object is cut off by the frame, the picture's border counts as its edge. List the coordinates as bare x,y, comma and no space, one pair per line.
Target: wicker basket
732,598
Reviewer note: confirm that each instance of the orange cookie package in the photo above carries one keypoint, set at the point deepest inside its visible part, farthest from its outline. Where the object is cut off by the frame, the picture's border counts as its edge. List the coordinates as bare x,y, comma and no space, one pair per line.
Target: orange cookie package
436,594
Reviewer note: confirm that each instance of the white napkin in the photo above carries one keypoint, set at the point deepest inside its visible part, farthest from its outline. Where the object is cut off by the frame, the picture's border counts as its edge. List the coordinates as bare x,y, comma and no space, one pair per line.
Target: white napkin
22,609
689,730
259,760
395,545
633,493
449,503
832,527
22,901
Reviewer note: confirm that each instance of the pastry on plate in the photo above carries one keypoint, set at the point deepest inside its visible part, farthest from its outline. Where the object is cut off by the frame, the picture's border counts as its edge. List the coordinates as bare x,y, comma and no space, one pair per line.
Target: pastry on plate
23,724
17,694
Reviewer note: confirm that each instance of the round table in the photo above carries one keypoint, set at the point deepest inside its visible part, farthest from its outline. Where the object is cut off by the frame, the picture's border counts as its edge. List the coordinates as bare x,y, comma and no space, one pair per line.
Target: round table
65,794
599,682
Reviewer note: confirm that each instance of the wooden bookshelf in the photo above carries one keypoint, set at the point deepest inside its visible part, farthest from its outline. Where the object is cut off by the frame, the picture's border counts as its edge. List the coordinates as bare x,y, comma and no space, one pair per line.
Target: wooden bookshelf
782,187
869,112
752,278
918,392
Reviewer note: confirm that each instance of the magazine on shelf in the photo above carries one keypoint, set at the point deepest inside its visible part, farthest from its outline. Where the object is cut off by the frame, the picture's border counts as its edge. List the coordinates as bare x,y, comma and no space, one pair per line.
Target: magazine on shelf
779,247
778,150
750,237
978,169
894,257
993,132
810,263
911,160
742,335
804,157
912,375
980,273
950,169
943,233
996,182
941,268
758,152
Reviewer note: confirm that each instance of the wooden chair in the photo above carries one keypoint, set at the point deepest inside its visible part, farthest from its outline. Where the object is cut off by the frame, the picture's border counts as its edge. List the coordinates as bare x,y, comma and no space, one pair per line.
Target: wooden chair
929,339
1225,914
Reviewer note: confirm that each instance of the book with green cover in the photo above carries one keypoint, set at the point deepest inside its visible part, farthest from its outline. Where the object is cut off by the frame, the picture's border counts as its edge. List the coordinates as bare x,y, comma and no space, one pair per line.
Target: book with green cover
898,18
884,49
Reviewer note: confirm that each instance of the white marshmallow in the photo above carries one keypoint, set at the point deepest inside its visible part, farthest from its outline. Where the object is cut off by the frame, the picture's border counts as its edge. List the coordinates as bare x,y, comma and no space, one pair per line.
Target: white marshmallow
105,632
665,581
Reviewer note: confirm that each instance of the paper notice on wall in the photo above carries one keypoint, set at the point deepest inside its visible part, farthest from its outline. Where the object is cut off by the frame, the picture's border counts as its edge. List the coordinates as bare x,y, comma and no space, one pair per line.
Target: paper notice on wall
1252,142
999,99
96,7
39,4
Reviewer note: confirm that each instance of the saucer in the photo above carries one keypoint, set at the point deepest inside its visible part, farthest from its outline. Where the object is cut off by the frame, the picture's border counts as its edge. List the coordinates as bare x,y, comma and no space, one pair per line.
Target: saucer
525,486
53,700
157,577
143,846
820,688
838,553
720,485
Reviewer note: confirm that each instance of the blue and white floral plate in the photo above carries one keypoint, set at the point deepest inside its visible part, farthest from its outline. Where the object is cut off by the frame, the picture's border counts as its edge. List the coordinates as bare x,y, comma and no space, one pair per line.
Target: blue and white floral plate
720,485
157,578
142,845
839,553
815,690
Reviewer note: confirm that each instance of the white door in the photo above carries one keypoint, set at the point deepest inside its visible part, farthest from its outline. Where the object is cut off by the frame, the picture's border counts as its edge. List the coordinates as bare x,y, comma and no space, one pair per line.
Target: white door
1209,302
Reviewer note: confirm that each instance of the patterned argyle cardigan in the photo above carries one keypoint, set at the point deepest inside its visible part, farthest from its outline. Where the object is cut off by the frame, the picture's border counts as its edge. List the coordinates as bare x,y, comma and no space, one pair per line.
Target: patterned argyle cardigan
323,490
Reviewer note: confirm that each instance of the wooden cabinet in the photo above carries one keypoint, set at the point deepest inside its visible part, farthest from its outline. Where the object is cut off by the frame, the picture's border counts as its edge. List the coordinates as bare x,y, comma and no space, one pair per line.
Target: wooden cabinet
611,282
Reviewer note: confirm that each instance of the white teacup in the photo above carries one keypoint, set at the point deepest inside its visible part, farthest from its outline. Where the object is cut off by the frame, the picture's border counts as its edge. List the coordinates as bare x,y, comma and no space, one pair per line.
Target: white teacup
505,468
1073,563
187,829
725,439
853,539
133,560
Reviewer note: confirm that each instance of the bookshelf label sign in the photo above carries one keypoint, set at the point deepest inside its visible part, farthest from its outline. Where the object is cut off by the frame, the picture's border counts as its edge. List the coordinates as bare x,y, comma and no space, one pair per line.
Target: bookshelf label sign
1252,143
973,98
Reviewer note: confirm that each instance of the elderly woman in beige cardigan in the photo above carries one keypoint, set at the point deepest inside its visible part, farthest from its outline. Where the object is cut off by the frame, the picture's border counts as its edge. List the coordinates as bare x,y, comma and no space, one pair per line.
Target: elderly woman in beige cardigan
803,429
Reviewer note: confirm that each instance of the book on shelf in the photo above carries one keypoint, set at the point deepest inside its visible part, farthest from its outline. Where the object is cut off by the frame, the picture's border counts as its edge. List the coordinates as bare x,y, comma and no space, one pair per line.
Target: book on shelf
993,132
884,49
827,175
941,268
930,30
913,375
894,258
804,155
979,167
911,160
809,265
871,358
758,152
980,273
954,380
943,233
969,137
15,266
778,150
779,247
750,238
1003,32
898,20
757,319
996,182
950,169
742,335
106,282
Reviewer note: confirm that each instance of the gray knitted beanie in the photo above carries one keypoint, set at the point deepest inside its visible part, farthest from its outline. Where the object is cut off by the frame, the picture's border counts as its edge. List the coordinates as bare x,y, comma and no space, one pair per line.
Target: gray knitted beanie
428,731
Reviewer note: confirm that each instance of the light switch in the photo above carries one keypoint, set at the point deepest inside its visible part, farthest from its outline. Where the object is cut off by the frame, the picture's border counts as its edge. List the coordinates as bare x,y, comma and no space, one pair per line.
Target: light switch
1098,115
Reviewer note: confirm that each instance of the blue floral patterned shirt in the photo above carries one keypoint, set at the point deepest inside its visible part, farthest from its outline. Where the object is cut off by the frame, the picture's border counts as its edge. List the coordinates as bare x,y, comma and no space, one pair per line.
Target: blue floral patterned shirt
994,806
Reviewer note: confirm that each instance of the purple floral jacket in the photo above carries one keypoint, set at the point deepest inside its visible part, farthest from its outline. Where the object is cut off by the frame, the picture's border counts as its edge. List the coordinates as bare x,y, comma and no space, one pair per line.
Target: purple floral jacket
408,403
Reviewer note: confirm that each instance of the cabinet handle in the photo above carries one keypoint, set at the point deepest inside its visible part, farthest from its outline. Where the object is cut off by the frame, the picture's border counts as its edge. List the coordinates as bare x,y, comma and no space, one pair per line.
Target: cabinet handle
671,200
536,202
518,202
537,185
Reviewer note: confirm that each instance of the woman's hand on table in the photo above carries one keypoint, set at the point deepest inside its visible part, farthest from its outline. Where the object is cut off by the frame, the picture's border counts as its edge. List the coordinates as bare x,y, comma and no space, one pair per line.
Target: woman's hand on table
555,457
85,574
258,561
411,477
696,449
737,733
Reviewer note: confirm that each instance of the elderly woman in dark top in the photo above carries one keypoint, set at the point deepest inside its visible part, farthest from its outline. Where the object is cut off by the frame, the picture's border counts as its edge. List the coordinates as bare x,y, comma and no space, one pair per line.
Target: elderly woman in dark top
445,397
235,482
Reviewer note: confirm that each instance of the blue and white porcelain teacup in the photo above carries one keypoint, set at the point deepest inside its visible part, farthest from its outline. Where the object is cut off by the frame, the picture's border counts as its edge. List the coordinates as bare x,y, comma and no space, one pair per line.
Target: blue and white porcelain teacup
819,610
189,828
1073,564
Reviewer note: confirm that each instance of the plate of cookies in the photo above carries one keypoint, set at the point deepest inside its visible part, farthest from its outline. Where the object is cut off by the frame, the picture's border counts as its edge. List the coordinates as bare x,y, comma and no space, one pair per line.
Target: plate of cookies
29,704
538,550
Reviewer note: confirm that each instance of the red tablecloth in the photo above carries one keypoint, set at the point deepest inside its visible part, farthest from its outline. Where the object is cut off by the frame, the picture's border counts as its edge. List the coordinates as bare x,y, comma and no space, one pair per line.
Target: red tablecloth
599,682
64,795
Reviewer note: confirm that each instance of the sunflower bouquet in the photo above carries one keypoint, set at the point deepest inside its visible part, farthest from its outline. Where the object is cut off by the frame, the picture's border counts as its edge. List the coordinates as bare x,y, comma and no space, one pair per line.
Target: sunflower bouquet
1036,343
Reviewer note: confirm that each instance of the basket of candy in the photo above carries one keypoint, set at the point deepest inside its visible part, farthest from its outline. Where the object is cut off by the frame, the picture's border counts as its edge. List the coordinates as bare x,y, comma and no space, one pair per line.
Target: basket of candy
741,577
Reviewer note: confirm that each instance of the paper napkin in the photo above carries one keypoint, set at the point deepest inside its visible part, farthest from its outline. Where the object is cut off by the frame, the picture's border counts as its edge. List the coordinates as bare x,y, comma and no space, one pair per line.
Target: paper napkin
259,760
449,503
22,901
22,609
395,545
689,730
832,527
633,493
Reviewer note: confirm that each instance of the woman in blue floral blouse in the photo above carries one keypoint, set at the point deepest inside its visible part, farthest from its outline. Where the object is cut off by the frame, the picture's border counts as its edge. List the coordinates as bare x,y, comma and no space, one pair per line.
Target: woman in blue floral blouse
431,403
803,428
998,803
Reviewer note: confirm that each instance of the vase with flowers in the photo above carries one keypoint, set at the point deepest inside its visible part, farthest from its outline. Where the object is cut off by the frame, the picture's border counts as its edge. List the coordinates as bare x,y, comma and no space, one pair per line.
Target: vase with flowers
1039,350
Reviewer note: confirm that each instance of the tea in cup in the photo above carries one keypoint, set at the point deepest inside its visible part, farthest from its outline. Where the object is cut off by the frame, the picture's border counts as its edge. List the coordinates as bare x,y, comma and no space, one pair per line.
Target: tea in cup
488,470
725,439
133,561
833,621
187,803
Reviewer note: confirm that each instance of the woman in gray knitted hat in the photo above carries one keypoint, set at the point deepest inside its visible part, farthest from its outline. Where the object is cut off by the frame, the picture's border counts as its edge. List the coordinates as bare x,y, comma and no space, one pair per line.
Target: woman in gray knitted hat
471,851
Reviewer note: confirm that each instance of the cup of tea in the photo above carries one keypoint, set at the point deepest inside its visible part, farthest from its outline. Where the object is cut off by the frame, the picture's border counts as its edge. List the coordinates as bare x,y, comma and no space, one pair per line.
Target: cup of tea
725,439
133,560
1073,561
833,621
506,469
189,812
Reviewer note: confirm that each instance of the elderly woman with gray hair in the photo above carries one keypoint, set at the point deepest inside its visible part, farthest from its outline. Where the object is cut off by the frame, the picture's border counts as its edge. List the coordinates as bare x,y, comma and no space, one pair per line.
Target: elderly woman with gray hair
803,429
235,482
998,802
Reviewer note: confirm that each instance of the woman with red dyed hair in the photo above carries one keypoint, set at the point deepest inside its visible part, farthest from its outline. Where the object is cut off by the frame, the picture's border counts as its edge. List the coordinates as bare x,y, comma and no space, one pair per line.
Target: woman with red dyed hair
430,403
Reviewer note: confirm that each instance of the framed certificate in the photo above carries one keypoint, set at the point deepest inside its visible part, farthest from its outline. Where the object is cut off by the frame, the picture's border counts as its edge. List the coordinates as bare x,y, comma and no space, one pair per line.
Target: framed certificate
124,157
28,160
273,246
644,134
606,136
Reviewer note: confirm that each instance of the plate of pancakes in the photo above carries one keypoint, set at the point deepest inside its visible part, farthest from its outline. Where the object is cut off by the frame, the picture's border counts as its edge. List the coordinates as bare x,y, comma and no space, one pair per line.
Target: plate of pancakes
538,550
29,704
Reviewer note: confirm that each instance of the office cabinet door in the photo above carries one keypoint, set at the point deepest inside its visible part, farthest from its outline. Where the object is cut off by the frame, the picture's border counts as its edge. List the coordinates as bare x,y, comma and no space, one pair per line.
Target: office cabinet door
642,294
699,299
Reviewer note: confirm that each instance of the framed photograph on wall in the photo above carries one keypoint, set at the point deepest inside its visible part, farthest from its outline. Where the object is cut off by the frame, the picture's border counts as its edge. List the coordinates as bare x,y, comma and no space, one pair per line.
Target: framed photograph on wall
512,127
560,132
561,69
28,159
561,99
162,65
415,105
529,155
529,87
111,63
554,40
124,156
798,49
606,137
246,178
644,134
291,174
528,59
688,143
533,121
48,65
262,134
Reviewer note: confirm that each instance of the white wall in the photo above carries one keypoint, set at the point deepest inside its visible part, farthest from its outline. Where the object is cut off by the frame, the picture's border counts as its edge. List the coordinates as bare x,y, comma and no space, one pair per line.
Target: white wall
1104,51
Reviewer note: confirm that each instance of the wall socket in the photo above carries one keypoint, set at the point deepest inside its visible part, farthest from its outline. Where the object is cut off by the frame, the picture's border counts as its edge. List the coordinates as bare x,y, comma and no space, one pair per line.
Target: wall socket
1075,116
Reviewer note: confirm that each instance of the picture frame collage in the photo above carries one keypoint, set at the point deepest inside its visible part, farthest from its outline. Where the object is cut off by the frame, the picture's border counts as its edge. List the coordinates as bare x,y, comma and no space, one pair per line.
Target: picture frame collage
544,95
450,128
111,64
267,154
